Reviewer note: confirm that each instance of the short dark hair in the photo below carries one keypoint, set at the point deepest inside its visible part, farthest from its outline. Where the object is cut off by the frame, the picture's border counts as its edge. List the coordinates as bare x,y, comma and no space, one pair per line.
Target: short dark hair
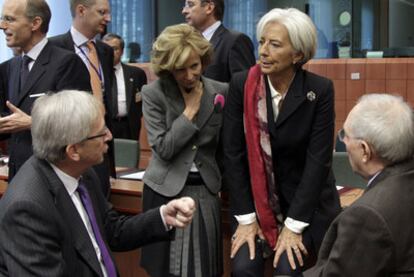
218,8
110,36
41,9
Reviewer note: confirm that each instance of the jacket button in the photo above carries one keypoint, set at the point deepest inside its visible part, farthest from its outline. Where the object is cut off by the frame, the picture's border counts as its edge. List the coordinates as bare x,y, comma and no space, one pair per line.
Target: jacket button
194,147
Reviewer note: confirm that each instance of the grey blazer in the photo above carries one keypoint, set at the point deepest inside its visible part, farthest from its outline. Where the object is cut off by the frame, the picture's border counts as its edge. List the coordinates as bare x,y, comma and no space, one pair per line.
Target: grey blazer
177,142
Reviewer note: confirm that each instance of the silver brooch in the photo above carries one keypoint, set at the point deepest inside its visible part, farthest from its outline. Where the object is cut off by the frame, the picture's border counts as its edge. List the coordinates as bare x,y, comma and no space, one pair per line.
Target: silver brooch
311,96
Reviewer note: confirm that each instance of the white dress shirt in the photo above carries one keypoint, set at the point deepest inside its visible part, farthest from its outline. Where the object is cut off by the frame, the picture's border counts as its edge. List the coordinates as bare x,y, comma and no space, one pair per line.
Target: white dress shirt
35,52
120,84
209,32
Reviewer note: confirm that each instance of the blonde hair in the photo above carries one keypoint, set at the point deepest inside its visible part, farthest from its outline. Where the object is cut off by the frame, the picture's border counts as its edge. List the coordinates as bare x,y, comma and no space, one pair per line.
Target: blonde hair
173,47
301,30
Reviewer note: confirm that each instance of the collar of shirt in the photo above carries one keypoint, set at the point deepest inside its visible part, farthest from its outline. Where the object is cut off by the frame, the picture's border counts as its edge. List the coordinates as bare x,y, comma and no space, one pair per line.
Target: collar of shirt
273,91
209,32
70,183
35,51
373,178
78,38
117,66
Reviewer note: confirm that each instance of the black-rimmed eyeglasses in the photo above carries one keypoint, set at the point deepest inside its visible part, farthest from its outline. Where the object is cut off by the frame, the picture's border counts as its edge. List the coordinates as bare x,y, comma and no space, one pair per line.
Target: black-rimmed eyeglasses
191,4
102,134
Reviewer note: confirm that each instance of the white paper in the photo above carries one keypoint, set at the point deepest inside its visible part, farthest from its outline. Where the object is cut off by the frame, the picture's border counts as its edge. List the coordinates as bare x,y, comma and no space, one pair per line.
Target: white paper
339,187
133,176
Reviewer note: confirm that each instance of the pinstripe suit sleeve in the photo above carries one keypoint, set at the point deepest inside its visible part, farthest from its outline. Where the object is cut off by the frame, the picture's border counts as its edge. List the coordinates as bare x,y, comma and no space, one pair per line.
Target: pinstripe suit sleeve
30,242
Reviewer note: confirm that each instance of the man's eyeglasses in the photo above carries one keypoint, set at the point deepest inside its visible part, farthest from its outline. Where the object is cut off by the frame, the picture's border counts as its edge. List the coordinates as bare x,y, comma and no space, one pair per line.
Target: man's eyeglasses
7,19
102,134
191,4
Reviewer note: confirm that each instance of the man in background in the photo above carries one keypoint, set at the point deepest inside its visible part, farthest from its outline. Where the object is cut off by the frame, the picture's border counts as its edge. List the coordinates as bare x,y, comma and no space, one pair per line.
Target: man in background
126,93
233,51
375,235
41,68
90,19
54,220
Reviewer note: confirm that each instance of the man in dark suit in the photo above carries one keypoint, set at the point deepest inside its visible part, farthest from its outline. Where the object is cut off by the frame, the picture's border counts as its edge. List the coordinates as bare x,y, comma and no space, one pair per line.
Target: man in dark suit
54,220
375,235
89,19
126,93
42,68
233,51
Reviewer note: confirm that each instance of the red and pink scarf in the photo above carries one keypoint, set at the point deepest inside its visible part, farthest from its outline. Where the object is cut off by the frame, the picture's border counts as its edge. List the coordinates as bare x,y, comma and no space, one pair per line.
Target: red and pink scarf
260,155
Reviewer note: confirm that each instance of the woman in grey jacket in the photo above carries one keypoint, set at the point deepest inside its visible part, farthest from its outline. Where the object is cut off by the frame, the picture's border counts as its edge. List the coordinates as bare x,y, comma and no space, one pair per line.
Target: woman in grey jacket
183,116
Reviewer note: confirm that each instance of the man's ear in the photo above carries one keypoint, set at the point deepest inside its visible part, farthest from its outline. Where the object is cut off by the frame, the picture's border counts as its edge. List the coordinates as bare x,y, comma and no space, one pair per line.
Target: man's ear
210,6
36,23
80,10
366,151
72,152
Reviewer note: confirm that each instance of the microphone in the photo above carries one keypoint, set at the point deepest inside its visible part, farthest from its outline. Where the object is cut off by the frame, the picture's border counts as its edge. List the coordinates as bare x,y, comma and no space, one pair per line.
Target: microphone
219,103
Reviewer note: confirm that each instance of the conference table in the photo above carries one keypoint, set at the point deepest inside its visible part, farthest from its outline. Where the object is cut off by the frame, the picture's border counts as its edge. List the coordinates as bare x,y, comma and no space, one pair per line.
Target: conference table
126,197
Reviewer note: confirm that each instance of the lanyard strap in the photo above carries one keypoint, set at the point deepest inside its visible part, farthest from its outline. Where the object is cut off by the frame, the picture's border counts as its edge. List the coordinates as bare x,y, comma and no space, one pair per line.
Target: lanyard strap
97,70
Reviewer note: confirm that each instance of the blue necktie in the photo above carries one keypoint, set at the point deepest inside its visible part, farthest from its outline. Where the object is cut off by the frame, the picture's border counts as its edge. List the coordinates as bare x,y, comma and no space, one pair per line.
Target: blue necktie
87,204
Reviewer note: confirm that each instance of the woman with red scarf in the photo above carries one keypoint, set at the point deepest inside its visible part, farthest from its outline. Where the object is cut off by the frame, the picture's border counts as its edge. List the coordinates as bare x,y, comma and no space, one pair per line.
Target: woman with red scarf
278,141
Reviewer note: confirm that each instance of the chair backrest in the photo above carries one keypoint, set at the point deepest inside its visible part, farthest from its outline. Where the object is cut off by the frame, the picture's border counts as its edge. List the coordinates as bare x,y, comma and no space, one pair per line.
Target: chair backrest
127,152
339,145
343,172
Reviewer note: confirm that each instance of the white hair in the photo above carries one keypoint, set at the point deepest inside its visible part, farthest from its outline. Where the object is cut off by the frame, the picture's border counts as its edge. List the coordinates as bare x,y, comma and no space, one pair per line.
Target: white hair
60,119
386,122
301,30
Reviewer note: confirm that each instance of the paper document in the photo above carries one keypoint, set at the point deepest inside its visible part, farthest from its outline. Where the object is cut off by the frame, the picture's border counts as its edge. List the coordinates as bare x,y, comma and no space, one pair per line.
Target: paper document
133,176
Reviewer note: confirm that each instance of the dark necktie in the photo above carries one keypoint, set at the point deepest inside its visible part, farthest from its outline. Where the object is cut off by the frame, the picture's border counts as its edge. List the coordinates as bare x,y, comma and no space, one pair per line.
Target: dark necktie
24,71
87,204
114,96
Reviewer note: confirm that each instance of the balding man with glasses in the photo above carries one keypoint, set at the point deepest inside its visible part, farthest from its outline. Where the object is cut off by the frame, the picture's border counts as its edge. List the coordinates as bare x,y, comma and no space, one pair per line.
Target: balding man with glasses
41,68
375,235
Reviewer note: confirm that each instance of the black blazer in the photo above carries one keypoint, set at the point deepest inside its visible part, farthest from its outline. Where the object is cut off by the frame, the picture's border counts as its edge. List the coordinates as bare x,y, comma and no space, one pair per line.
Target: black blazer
55,69
302,147
233,52
375,235
134,78
42,233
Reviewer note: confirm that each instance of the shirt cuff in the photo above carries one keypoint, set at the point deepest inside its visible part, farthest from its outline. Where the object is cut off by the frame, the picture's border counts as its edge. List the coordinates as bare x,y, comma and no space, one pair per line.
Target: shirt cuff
295,226
167,227
246,219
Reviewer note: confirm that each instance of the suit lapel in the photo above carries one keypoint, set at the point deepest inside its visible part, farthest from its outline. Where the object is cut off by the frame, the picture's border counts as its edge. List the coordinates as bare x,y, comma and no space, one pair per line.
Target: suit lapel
217,36
206,104
294,98
67,209
37,71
